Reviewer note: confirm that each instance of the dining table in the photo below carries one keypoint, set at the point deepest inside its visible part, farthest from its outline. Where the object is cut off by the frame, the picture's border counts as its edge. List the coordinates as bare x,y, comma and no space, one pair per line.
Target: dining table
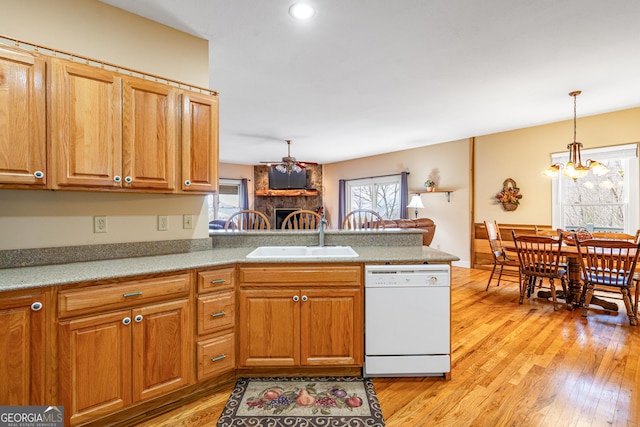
575,298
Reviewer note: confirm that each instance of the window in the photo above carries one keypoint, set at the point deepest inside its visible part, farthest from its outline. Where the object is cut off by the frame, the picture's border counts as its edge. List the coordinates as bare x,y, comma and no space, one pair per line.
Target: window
381,194
227,201
599,203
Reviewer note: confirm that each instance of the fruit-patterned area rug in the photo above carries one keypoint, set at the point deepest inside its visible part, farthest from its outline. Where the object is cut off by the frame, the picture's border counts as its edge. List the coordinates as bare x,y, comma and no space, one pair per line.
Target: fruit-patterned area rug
302,402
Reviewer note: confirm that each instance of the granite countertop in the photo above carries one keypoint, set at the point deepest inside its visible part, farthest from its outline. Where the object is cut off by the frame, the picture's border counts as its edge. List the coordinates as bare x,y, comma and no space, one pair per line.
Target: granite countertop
77,272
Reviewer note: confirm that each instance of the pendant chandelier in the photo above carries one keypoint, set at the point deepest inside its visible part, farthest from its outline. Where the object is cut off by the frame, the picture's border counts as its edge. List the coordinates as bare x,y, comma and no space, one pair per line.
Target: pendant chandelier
574,168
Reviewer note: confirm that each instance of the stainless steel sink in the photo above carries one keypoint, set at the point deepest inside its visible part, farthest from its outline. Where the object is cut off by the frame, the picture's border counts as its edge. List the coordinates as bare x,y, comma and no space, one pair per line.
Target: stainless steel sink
303,252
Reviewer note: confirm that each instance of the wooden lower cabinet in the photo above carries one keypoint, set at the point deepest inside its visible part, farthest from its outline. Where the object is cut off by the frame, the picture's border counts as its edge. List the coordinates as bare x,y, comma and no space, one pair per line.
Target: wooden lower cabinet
317,323
216,319
108,361
22,350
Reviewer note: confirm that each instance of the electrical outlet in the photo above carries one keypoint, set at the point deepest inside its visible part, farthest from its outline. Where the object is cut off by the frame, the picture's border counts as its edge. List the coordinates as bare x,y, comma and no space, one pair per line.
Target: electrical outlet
163,223
99,224
187,221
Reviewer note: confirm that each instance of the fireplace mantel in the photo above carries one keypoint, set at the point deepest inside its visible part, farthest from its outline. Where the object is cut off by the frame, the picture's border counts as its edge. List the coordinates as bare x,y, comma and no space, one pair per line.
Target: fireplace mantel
289,193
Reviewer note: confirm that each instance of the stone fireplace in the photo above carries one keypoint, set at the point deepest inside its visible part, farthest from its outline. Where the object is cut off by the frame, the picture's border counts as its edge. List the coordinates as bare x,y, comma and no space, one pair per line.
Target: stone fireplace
271,201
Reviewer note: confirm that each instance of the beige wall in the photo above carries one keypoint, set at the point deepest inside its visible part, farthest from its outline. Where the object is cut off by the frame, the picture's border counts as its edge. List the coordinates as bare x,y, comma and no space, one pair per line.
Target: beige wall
103,32
449,161
524,154
35,219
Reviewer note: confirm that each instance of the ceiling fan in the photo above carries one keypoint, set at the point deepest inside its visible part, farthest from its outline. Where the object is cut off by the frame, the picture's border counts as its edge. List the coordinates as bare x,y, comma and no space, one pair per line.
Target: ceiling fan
289,164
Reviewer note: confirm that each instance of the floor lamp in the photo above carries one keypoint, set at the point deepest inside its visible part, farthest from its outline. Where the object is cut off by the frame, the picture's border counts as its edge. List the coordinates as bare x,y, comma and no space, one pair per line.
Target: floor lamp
416,202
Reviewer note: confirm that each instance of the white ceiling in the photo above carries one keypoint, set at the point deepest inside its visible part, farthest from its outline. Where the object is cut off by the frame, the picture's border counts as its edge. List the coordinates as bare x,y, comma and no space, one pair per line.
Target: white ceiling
366,77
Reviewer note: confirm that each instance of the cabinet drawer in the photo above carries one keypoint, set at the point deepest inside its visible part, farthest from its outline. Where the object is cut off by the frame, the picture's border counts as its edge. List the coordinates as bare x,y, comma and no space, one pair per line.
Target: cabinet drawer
216,356
125,294
288,275
213,280
215,312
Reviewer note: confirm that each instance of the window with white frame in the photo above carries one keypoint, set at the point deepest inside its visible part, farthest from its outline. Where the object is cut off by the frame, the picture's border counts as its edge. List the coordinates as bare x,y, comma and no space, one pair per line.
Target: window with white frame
599,203
381,194
227,201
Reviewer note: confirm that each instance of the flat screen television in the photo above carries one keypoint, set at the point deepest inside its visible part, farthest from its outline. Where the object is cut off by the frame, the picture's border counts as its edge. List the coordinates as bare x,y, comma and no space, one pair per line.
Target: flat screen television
284,181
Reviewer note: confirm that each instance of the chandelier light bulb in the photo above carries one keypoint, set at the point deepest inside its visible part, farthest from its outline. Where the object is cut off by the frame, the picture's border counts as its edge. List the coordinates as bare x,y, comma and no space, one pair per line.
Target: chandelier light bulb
301,11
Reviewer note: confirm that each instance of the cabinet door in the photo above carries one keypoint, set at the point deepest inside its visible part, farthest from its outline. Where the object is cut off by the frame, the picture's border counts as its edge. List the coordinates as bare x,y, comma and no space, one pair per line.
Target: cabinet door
331,331
269,327
22,355
162,348
199,143
149,135
94,365
86,121
22,118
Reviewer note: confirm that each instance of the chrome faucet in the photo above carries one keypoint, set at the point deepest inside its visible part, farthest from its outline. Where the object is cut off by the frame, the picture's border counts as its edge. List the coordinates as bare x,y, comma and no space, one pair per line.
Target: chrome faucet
323,223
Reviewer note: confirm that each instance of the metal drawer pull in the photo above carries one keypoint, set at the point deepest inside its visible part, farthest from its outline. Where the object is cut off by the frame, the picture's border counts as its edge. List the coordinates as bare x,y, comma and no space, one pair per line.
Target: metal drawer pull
216,281
219,358
132,294
36,306
221,313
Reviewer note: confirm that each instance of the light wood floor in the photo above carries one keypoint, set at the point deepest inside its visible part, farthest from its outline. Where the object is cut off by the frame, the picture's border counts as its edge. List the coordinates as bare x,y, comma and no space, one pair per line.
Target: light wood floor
512,365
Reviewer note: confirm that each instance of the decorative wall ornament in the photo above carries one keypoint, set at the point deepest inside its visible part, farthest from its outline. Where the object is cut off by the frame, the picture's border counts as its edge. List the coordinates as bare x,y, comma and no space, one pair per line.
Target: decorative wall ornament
510,195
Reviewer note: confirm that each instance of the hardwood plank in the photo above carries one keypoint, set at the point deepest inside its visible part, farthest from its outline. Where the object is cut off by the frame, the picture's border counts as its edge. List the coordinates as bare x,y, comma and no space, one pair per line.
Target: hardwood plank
512,365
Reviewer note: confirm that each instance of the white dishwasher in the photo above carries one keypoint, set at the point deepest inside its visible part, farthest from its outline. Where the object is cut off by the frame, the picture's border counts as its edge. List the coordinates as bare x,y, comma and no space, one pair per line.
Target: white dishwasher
407,320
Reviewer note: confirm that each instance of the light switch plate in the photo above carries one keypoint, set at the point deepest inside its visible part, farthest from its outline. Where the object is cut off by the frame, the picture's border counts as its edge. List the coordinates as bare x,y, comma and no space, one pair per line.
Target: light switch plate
187,221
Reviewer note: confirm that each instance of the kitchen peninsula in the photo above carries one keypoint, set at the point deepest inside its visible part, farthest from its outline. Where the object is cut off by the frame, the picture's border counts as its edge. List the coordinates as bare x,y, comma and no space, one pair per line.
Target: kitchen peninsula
111,339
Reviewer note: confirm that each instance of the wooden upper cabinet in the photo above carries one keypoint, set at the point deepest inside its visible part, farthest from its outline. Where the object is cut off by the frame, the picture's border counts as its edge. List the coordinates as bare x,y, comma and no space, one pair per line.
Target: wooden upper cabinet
86,117
199,143
22,119
149,134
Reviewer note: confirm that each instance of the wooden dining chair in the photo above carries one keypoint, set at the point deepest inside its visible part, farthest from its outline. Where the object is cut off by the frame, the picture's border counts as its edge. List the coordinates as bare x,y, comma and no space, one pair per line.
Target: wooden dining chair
301,220
609,235
499,253
540,258
363,219
247,219
608,266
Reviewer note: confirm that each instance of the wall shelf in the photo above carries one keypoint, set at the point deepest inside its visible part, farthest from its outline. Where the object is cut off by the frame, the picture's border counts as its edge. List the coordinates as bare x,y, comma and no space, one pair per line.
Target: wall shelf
447,192
289,193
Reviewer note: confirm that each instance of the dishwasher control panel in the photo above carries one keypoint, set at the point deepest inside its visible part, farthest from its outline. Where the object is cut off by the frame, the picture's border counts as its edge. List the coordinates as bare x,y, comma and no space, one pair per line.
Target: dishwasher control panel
407,275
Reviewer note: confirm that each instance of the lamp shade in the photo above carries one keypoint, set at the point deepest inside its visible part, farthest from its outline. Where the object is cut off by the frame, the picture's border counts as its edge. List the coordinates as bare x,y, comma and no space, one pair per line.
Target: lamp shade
416,202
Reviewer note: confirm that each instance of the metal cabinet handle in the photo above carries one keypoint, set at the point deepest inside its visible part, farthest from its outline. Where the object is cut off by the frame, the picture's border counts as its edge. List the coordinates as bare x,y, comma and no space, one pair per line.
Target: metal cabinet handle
216,281
117,178
36,306
304,298
217,359
220,313
187,182
126,320
128,179
296,298
38,174
138,318
132,294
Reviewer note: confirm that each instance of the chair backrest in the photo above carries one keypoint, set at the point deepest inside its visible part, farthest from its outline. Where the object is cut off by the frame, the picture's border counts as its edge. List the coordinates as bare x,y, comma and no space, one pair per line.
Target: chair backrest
247,220
609,235
495,240
538,255
608,262
301,220
361,219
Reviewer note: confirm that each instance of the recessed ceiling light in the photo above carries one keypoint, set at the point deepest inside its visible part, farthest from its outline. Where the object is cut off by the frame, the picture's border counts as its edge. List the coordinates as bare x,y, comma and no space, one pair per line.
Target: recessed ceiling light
301,11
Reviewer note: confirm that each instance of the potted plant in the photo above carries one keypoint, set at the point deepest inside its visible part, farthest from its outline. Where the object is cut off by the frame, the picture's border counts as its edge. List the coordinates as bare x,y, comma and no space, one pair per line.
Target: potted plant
430,185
